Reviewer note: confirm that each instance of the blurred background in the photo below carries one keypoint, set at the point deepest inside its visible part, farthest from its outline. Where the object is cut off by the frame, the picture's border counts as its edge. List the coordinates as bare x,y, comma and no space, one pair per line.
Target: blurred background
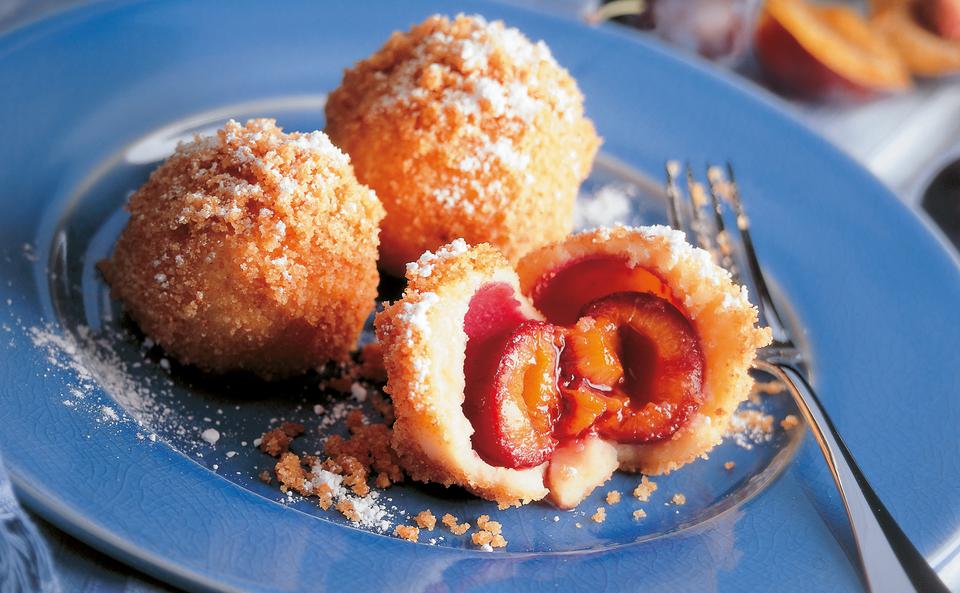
878,78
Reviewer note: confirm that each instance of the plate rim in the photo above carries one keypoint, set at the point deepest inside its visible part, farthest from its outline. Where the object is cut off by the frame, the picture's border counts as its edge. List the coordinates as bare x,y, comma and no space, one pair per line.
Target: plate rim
65,518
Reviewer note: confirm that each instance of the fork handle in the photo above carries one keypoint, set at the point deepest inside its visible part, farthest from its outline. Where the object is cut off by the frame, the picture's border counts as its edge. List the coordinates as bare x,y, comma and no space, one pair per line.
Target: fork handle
887,558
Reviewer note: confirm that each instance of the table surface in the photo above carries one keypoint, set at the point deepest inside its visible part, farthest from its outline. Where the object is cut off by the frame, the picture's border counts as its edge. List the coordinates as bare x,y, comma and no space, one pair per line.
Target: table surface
904,140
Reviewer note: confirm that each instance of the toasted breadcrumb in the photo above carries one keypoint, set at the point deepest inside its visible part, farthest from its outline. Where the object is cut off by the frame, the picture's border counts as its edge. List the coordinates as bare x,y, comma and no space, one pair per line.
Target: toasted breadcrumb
498,541
407,532
639,514
347,509
484,522
729,465
292,429
344,382
600,516
384,406
789,421
325,494
679,499
426,520
275,442
451,522
265,477
644,489
613,497
371,364
480,538
367,450
291,475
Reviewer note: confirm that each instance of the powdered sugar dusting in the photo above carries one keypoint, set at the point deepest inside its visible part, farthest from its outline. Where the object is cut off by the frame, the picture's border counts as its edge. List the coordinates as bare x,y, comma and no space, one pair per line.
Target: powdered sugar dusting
371,513
94,364
605,206
424,266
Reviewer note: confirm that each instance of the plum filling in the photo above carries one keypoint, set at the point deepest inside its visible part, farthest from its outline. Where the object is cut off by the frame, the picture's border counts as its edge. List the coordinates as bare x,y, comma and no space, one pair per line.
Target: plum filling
562,294
653,382
616,358
510,373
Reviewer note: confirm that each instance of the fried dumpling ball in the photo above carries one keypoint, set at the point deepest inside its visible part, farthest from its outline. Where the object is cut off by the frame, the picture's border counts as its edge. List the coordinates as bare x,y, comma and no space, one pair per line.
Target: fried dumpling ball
251,249
616,348
465,129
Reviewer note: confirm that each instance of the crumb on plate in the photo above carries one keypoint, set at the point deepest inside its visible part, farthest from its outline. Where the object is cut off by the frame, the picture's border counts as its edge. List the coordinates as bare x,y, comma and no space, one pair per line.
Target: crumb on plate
644,489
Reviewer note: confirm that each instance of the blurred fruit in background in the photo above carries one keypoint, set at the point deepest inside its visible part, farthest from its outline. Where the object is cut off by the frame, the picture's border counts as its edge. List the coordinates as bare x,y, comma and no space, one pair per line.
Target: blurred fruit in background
826,51
816,50
926,33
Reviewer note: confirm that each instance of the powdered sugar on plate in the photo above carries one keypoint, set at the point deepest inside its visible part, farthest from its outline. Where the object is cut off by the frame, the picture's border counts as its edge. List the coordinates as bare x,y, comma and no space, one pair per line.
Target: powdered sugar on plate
604,206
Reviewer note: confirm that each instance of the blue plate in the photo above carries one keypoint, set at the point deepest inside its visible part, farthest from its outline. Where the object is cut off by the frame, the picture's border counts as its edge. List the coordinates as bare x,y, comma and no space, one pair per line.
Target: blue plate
103,435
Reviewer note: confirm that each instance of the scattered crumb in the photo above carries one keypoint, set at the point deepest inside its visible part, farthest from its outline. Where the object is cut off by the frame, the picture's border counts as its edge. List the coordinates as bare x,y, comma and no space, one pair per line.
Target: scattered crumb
347,509
613,497
265,477
789,421
484,522
644,489
275,442
292,429
407,532
577,525
426,520
451,522
639,514
325,494
371,364
729,465
481,537
291,475
383,405
367,450
600,516
498,541
679,499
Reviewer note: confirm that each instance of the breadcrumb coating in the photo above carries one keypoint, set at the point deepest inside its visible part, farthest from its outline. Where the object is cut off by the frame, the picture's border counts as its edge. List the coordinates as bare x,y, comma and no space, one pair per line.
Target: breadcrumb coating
465,129
251,249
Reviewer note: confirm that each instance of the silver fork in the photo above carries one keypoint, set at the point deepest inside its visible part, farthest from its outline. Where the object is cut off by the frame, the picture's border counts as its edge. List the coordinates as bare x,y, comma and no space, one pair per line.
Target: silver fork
888,561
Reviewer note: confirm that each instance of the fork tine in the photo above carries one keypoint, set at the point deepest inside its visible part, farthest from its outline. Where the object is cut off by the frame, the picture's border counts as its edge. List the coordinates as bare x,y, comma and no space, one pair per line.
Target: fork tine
673,195
698,223
768,311
717,190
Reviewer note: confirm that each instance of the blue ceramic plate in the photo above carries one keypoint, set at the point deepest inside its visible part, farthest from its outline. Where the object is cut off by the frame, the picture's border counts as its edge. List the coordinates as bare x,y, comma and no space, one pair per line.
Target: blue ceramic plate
103,435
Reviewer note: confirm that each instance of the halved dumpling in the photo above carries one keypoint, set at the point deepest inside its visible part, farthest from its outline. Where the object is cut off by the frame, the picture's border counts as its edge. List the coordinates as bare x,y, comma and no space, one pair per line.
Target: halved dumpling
624,347
564,278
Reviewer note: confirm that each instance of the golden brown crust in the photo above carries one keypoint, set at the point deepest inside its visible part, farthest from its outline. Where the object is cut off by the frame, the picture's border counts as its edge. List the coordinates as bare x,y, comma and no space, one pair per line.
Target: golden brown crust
251,249
465,129
719,310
